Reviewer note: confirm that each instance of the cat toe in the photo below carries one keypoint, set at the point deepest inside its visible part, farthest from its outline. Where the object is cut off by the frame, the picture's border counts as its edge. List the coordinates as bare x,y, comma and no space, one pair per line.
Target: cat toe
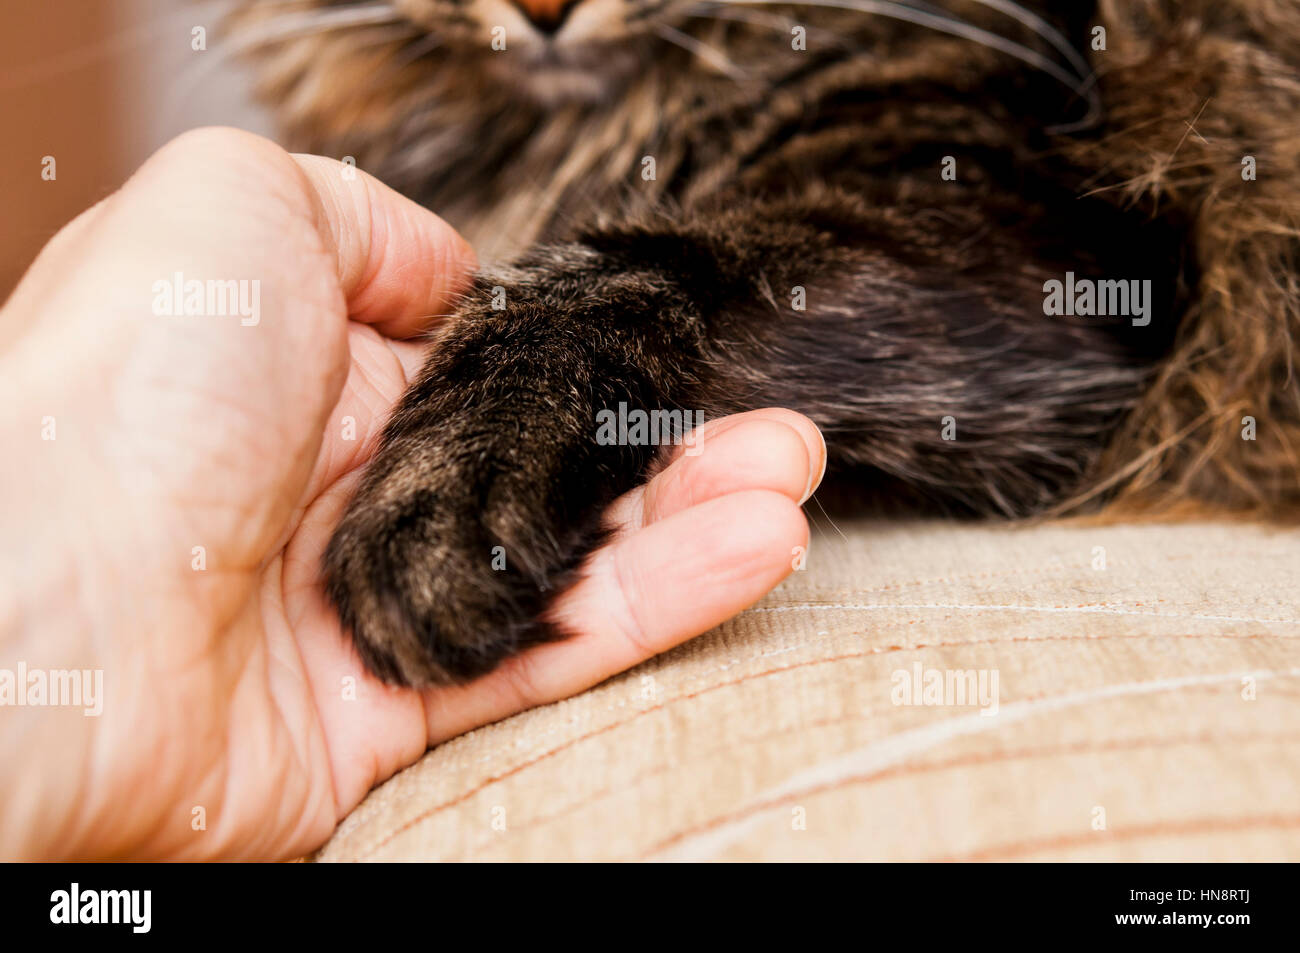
433,598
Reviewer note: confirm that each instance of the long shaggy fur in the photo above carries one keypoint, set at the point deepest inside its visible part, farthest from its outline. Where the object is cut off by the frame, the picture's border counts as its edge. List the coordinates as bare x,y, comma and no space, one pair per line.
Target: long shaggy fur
776,169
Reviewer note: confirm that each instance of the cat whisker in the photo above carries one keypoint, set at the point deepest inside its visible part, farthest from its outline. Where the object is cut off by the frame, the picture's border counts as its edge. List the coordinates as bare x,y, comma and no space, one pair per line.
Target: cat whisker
708,54
720,10
1081,86
1044,29
1058,41
417,50
404,54
195,76
387,24
309,23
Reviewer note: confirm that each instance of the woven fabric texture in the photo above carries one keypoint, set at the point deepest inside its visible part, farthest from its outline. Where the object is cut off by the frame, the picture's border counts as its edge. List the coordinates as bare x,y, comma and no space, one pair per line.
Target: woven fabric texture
1141,701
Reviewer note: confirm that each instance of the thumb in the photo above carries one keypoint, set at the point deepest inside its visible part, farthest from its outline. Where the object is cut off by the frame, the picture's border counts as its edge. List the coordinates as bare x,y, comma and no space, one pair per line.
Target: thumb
399,265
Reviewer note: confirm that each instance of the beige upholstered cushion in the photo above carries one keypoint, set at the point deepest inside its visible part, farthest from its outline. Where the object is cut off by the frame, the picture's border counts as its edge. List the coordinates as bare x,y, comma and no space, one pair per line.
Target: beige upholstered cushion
1148,708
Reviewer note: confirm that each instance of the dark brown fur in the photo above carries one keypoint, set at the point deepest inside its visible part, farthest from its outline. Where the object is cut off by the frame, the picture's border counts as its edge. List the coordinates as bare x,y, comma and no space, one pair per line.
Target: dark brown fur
820,170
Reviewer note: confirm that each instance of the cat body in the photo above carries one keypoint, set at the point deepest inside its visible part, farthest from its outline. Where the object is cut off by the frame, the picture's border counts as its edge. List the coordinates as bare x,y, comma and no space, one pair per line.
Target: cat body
866,212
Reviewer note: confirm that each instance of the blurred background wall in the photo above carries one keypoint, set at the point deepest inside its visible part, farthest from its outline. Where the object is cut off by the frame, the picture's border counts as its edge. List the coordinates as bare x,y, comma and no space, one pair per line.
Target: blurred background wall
99,85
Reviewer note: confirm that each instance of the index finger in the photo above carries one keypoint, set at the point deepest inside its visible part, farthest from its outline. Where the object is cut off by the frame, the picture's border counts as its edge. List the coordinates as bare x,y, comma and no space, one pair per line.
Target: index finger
400,266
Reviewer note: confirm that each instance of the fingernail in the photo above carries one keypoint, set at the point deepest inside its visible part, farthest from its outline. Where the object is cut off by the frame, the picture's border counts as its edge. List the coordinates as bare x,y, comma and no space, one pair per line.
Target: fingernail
814,482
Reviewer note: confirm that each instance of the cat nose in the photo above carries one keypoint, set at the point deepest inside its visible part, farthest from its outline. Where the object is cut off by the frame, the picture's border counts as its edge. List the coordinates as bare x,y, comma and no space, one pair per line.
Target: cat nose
546,15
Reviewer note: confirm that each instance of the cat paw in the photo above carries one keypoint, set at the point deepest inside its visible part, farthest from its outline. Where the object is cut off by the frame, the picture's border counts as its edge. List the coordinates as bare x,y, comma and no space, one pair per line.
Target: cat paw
439,572
488,489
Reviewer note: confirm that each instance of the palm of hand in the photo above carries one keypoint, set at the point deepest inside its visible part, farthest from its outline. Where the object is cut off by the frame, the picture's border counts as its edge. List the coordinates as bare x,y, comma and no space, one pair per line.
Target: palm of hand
238,720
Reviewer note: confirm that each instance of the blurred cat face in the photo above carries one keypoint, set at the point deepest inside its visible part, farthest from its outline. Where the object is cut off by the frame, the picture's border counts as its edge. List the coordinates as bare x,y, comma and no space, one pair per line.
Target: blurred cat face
544,52
530,24
554,49
551,52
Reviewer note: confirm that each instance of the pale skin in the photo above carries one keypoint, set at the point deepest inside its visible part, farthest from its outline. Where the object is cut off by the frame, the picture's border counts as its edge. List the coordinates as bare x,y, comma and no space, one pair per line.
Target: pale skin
237,720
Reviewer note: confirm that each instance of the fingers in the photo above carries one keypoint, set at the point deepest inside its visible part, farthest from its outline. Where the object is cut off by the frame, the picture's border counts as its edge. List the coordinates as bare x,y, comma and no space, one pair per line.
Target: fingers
772,449
400,265
228,198
673,580
712,541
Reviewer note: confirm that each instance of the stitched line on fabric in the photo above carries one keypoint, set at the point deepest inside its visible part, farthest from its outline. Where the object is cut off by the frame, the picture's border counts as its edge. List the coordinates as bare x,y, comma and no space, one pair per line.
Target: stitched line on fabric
686,696
1104,608
1021,572
904,770
720,832
1207,825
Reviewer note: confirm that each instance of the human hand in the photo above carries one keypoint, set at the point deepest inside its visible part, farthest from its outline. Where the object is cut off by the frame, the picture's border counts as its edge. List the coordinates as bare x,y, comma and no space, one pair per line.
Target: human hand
173,480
